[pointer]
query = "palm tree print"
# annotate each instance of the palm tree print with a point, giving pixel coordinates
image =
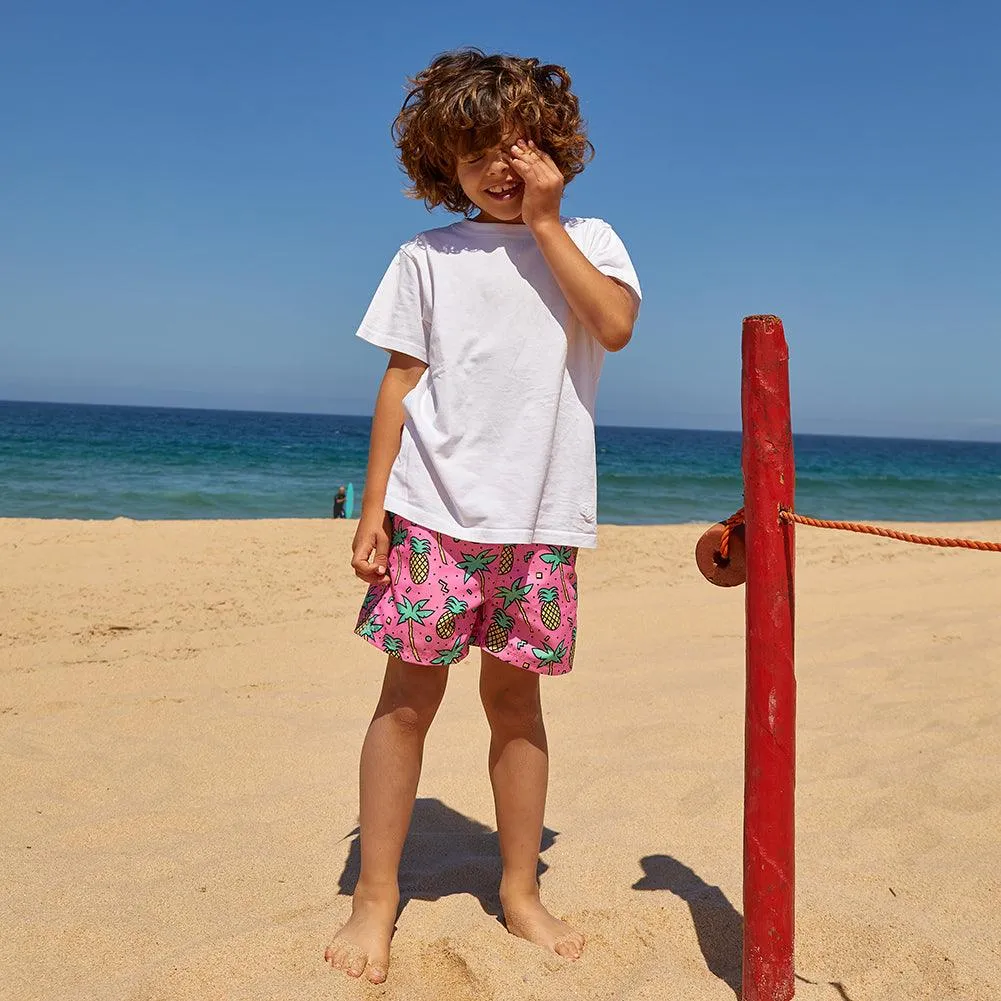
(478, 564)
(549, 657)
(369, 627)
(516, 595)
(441, 551)
(413, 613)
(399, 537)
(371, 597)
(558, 557)
(448, 657)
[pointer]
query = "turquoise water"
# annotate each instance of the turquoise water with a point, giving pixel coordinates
(75, 461)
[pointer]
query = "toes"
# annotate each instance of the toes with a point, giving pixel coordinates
(346, 957)
(356, 964)
(376, 973)
(570, 948)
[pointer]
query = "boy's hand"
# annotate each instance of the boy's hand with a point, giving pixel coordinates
(370, 549)
(543, 181)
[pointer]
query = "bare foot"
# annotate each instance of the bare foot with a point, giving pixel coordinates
(362, 945)
(528, 919)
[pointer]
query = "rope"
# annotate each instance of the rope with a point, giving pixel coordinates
(724, 540)
(889, 533)
(854, 526)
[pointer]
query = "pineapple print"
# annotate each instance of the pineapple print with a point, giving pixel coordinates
(549, 607)
(420, 566)
(445, 625)
(506, 560)
(499, 631)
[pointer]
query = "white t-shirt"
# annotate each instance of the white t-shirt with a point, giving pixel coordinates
(498, 439)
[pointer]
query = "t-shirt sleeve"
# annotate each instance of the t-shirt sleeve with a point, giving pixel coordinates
(608, 254)
(395, 319)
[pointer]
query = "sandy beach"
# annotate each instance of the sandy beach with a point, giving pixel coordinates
(182, 706)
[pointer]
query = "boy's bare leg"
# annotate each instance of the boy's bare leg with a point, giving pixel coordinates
(519, 774)
(390, 768)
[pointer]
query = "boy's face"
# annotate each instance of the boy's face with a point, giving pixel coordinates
(490, 182)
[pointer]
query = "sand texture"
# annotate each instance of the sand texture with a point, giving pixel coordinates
(182, 706)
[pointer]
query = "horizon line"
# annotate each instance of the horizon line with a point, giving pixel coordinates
(364, 416)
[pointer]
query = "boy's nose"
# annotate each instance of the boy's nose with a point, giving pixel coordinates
(501, 168)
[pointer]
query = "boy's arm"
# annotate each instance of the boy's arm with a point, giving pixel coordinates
(604, 306)
(372, 537)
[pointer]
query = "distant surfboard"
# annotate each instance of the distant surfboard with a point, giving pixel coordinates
(349, 502)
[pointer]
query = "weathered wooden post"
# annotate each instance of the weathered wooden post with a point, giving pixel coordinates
(770, 708)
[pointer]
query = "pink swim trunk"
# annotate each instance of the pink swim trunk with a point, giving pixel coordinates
(519, 602)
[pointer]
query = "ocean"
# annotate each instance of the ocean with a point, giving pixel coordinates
(83, 461)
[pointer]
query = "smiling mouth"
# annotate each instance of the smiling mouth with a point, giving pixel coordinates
(505, 192)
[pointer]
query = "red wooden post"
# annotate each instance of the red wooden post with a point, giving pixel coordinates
(770, 720)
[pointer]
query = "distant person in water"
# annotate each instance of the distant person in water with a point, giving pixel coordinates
(340, 499)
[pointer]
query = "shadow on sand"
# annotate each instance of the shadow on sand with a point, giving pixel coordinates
(445, 853)
(718, 925)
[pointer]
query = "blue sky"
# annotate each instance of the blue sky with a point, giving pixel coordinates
(198, 199)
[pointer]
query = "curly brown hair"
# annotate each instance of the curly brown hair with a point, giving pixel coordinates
(466, 102)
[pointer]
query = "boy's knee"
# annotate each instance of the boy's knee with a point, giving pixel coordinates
(512, 707)
(412, 719)
(411, 695)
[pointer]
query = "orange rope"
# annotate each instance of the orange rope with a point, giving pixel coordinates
(889, 533)
(735, 519)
